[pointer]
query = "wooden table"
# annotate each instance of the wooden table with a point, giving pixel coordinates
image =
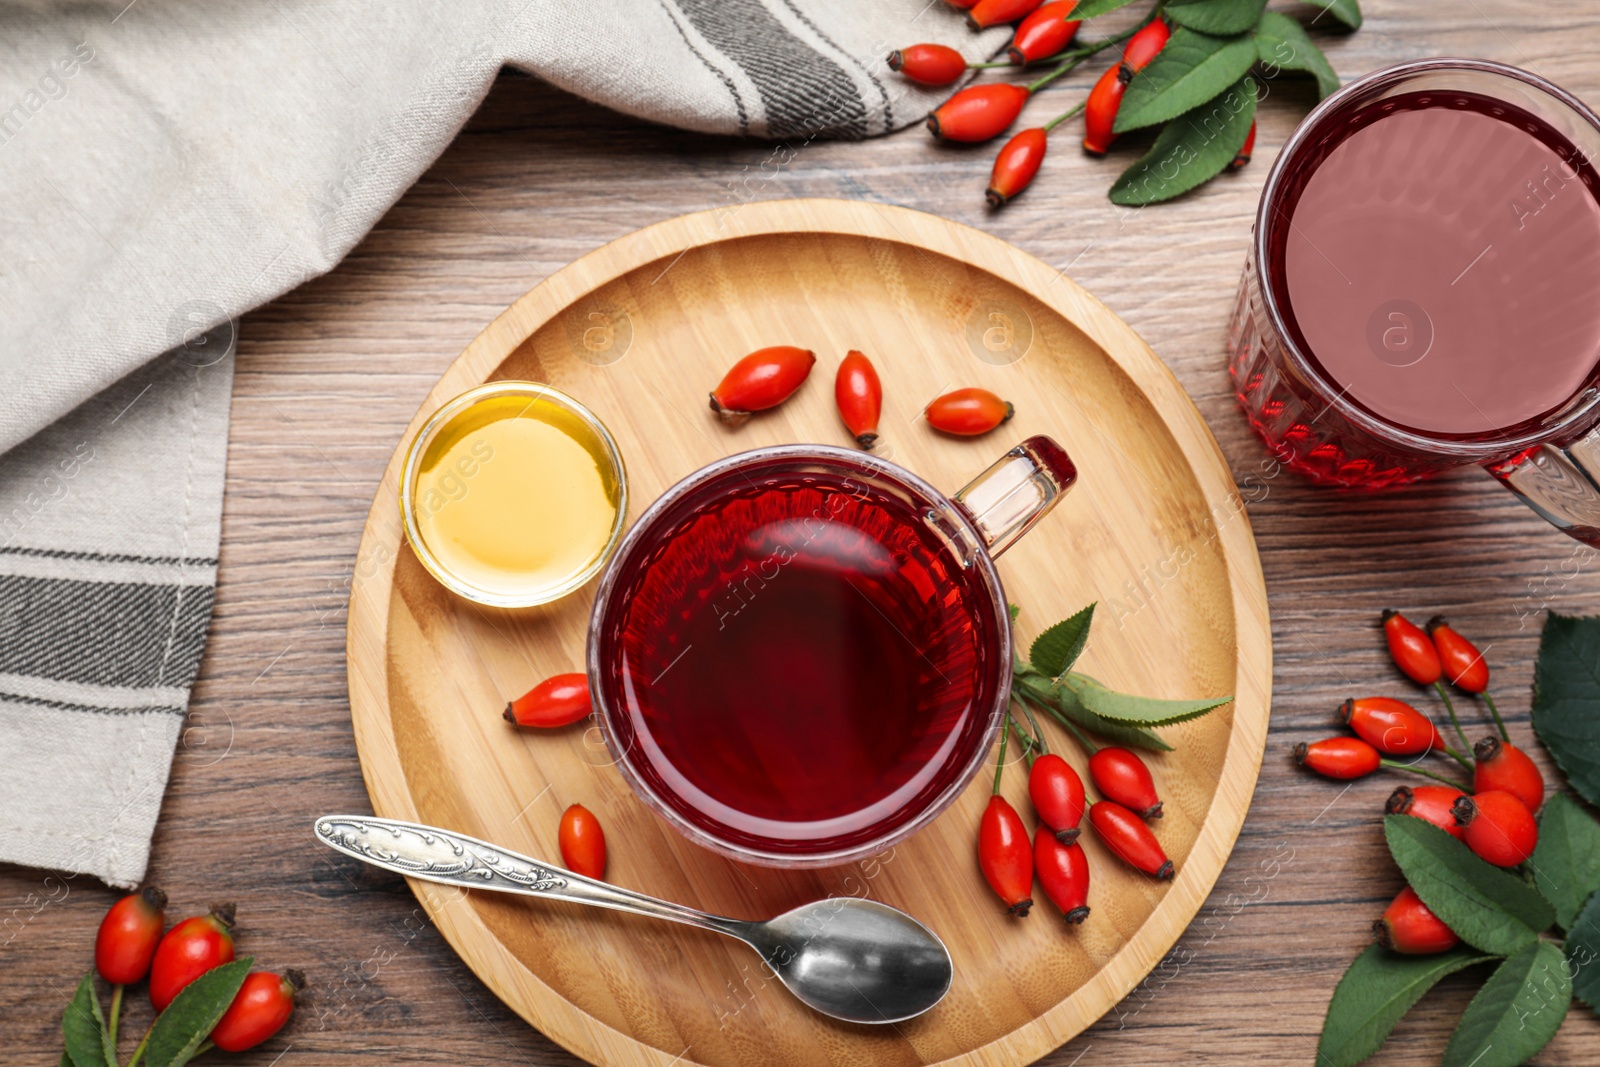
(329, 375)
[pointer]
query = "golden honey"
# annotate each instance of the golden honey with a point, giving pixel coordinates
(514, 494)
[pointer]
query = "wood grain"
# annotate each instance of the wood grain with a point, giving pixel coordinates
(636, 330)
(330, 376)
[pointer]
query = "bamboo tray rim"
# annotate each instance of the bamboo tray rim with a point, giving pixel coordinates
(372, 585)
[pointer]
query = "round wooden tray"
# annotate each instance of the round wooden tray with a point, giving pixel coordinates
(639, 331)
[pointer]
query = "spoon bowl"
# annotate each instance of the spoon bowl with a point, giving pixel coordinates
(852, 959)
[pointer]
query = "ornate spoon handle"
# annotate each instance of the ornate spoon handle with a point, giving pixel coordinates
(435, 855)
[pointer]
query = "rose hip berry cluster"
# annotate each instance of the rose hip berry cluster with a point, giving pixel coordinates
(1495, 820)
(1045, 34)
(131, 946)
(769, 376)
(1010, 863)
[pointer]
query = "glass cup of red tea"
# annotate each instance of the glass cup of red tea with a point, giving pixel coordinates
(1423, 288)
(801, 654)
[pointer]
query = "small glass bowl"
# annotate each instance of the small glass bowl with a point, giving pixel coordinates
(599, 443)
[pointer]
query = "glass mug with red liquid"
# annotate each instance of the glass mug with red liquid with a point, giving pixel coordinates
(801, 654)
(1423, 288)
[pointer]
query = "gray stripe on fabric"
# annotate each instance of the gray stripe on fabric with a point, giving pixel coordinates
(64, 705)
(804, 91)
(104, 557)
(877, 83)
(733, 90)
(102, 633)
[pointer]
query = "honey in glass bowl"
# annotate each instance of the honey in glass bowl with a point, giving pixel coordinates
(513, 494)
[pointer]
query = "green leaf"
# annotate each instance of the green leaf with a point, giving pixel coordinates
(1486, 907)
(1346, 11)
(1566, 863)
(1132, 710)
(1379, 988)
(1516, 1013)
(1282, 42)
(1088, 9)
(1566, 699)
(1191, 150)
(181, 1029)
(1014, 610)
(1058, 648)
(1583, 954)
(1192, 69)
(1061, 703)
(1223, 17)
(84, 1027)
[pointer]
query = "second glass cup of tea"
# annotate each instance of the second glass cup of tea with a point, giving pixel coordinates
(801, 654)
(1423, 288)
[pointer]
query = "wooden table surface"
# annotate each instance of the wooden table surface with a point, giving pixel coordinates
(329, 375)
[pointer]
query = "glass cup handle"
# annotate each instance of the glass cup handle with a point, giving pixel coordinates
(1017, 491)
(1560, 482)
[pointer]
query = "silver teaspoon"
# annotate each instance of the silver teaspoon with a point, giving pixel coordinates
(850, 958)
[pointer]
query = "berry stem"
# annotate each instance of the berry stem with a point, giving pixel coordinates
(1458, 757)
(116, 1012)
(1028, 744)
(1495, 712)
(1038, 734)
(1438, 687)
(138, 1053)
(1064, 116)
(1395, 765)
(999, 768)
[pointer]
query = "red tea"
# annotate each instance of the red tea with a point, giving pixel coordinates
(803, 661)
(1436, 256)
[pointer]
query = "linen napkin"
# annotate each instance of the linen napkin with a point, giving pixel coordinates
(167, 165)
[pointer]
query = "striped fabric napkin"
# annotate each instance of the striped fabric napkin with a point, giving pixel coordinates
(167, 165)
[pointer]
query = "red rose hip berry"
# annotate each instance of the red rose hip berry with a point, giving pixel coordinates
(1122, 776)
(129, 935)
(259, 1010)
(1004, 855)
(1391, 726)
(583, 842)
(1430, 803)
(1498, 827)
(560, 700)
(1057, 795)
(1063, 871)
(1338, 757)
(1503, 766)
(929, 64)
(859, 395)
(763, 379)
(1126, 835)
(1412, 650)
(189, 950)
(1409, 927)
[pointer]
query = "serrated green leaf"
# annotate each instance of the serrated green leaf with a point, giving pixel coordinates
(1060, 703)
(84, 1028)
(1014, 610)
(1192, 69)
(180, 1030)
(1088, 9)
(1376, 991)
(1130, 710)
(1191, 150)
(1058, 648)
(1346, 11)
(1486, 907)
(1282, 42)
(1516, 1013)
(1566, 699)
(1566, 863)
(1583, 954)
(1219, 17)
